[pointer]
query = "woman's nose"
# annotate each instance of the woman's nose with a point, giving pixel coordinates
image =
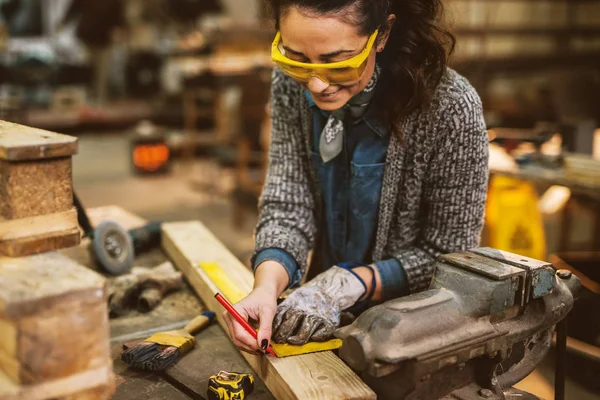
(316, 85)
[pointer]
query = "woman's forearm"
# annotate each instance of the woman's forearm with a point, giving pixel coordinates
(367, 276)
(272, 277)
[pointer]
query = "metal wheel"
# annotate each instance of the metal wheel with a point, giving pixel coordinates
(113, 247)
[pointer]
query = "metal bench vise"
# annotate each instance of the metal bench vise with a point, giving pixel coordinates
(485, 323)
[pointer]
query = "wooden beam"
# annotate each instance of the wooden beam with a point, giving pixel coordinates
(126, 219)
(33, 235)
(321, 376)
(90, 384)
(36, 191)
(19, 143)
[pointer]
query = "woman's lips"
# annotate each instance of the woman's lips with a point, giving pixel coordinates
(328, 96)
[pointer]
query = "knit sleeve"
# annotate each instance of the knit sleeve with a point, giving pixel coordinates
(286, 206)
(454, 194)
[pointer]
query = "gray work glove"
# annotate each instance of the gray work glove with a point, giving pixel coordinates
(313, 311)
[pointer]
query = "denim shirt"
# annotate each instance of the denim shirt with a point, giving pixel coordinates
(350, 194)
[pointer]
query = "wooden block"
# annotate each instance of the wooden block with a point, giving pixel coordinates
(308, 376)
(35, 182)
(126, 219)
(38, 187)
(19, 142)
(39, 234)
(54, 331)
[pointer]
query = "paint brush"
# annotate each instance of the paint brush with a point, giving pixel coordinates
(164, 348)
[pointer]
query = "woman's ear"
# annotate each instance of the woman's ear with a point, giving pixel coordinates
(384, 34)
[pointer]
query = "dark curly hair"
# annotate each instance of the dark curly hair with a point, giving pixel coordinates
(415, 57)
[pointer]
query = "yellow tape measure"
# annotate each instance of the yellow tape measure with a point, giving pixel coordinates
(230, 386)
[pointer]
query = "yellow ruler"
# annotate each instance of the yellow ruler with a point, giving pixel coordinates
(223, 282)
(234, 294)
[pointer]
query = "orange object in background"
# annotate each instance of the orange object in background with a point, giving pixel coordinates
(150, 157)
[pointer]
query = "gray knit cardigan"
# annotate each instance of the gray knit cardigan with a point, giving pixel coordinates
(434, 184)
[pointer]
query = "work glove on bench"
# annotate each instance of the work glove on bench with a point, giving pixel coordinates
(313, 311)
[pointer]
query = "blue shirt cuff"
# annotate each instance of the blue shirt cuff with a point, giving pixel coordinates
(393, 279)
(283, 258)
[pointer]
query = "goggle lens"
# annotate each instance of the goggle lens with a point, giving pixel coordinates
(330, 76)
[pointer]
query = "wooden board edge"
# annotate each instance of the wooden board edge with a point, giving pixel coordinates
(32, 153)
(38, 225)
(40, 244)
(115, 213)
(61, 146)
(59, 388)
(270, 370)
(94, 292)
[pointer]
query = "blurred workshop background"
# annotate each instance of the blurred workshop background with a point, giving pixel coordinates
(169, 100)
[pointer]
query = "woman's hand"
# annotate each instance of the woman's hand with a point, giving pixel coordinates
(260, 305)
(270, 280)
(313, 312)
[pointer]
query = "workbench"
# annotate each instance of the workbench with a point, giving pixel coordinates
(188, 378)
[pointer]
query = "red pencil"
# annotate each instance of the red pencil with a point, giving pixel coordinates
(241, 320)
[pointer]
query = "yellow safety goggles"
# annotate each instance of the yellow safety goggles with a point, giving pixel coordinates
(346, 71)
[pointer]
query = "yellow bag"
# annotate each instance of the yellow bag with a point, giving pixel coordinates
(514, 221)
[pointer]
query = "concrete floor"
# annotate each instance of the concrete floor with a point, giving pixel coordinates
(102, 176)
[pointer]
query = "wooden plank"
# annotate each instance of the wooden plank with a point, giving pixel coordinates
(34, 235)
(98, 381)
(115, 213)
(19, 142)
(308, 376)
(41, 243)
(39, 225)
(153, 387)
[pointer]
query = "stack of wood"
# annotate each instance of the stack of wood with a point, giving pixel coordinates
(54, 333)
(36, 192)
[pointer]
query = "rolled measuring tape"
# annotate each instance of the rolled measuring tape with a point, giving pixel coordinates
(230, 386)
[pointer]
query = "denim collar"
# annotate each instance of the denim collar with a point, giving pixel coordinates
(369, 118)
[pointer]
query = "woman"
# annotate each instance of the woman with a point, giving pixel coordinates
(378, 164)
